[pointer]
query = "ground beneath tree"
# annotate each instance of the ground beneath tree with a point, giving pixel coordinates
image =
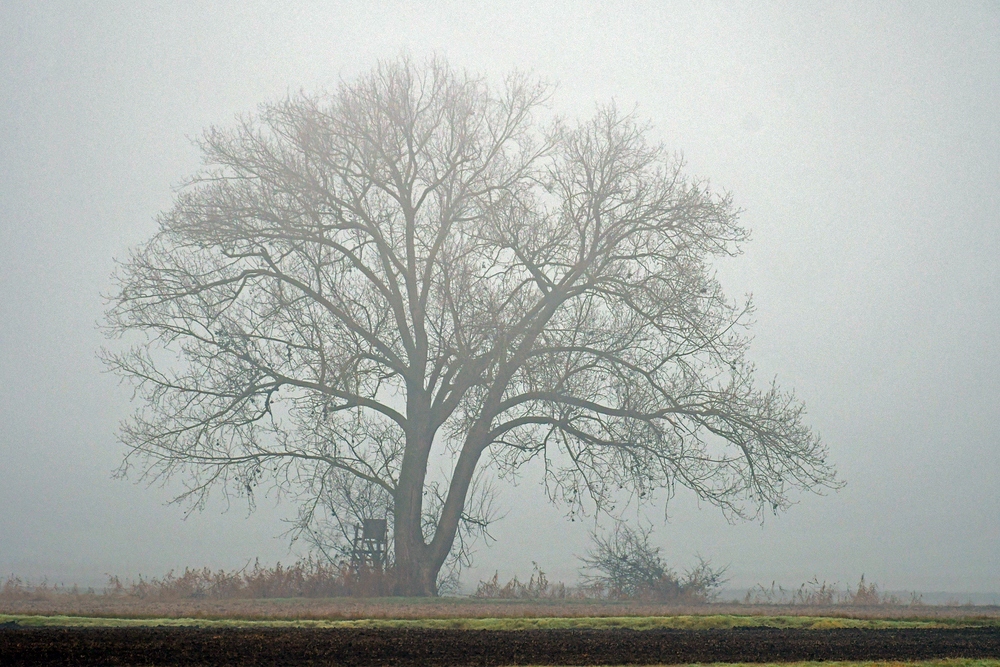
(342, 646)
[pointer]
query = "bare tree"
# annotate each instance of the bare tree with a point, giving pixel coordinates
(413, 269)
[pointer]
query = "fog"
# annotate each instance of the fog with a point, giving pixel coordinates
(861, 142)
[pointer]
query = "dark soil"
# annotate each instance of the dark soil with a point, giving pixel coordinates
(274, 646)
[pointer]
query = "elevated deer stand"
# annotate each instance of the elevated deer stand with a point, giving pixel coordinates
(369, 550)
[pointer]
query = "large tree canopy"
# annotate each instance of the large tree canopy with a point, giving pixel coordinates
(414, 270)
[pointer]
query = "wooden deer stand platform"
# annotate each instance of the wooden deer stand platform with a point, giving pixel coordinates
(370, 540)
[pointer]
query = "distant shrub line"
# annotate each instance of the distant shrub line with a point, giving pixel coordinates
(821, 594)
(309, 578)
(306, 578)
(694, 591)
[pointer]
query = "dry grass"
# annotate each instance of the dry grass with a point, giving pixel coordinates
(536, 588)
(681, 622)
(97, 605)
(304, 579)
(821, 594)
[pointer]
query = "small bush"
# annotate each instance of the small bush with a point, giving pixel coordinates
(625, 565)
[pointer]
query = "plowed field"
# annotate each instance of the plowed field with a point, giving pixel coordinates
(343, 646)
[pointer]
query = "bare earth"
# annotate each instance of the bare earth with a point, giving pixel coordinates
(190, 645)
(447, 648)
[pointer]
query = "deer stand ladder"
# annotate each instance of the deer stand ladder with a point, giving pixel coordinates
(369, 548)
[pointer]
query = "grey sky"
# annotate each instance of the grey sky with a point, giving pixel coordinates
(861, 140)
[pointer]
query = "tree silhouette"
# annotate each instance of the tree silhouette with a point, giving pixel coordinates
(415, 269)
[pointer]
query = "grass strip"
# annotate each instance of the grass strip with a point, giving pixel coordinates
(688, 622)
(943, 662)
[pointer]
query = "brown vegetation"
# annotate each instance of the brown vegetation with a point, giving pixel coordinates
(821, 594)
(306, 578)
(310, 590)
(536, 588)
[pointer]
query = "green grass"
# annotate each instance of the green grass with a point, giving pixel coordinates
(631, 622)
(946, 662)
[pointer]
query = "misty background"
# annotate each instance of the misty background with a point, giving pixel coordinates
(862, 142)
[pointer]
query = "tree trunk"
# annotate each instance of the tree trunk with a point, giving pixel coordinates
(414, 571)
(412, 563)
(415, 578)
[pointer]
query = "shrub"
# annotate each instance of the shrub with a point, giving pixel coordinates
(624, 565)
